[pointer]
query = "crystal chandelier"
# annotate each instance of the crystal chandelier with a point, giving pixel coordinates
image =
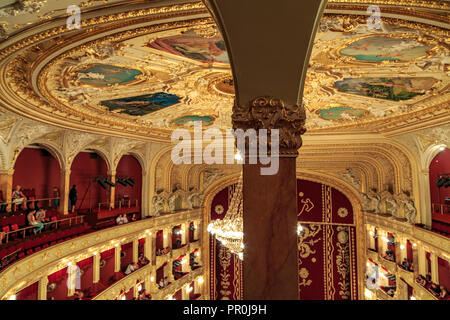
(229, 230)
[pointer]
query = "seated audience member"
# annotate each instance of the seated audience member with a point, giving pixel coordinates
(405, 263)
(391, 292)
(122, 219)
(134, 217)
(78, 295)
(161, 283)
(443, 293)
(40, 215)
(411, 267)
(131, 268)
(33, 222)
(18, 198)
(142, 259)
(434, 287)
(428, 277)
(421, 280)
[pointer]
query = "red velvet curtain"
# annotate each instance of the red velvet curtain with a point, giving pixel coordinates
(28, 293)
(159, 240)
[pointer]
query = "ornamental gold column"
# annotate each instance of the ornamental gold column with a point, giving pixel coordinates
(96, 272)
(42, 288)
(6, 180)
(112, 190)
(64, 188)
(270, 200)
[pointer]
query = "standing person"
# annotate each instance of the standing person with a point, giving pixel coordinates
(18, 198)
(73, 195)
(56, 197)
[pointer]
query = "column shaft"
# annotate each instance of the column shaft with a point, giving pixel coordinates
(434, 267)
(42, 288)
(6, 179)
(64, 189)
(270, 238)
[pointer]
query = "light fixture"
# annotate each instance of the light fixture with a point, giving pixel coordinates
(197, 254)
(188, 289)
(229, 230)
(139, 288)
(368, 265)
(95, 253)
(402, 247)
(165, 236)
(412, 298)
(414, 244)
(200, 280)
(123, 298)
(238, 156)
(152, 279)
(299, 229)
(442, 148)
(116, 245)
(371, 233)
(13, 297)
(385, 239)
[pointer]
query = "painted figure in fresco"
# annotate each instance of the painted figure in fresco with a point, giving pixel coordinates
(193, 46)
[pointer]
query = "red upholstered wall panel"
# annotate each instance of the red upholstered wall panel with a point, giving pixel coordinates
(107, 271)
(327, 247)
(439, 165)
(127, 255)
(28, 293)
(129, 167)
(33, 170)
(59, 278)
(83, 172)
(444, 273)
(86, 270)
(159, 239)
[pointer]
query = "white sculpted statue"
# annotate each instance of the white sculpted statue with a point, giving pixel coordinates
(193, 199)
(410, 210)
(172, 201)
(392, 206)
(157, 205)
(371, 201)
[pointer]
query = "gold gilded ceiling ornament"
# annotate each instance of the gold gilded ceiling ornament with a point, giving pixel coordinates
(342, 212)
(271, 113)
(206, 31)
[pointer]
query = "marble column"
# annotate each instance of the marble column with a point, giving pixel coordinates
(434, 267)
(42, 288)
(169, 266)
(270, 196)
(64, 188)
(185, 233)
(6, 179)
(185, 292)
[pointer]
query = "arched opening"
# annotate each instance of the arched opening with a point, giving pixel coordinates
(439, 173)
(86, 168)
(37, 171)
(128, 181)
(327, 246)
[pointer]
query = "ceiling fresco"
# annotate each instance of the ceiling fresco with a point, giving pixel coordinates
(171, 78)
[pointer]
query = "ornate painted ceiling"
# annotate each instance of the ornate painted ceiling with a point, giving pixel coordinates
(146, 71)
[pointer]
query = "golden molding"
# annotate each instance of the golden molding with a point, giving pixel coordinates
(30, 269)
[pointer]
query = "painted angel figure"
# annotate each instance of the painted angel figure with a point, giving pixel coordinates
(392, 206)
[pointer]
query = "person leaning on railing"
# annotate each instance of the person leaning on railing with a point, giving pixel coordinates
(33, 222)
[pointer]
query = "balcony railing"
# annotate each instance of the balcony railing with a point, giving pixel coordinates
(54, 258)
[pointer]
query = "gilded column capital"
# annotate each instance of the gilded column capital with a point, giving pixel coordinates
(272, 113)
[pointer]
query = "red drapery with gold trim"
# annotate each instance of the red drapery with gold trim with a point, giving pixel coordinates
(327, 247)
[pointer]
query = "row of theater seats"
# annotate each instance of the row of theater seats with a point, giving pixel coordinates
(22, 249)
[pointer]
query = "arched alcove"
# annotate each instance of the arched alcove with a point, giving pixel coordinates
(38, 172)
(86, 167)
(327, 246)
(129, 167)
(440, 165)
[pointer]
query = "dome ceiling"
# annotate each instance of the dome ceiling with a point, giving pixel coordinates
(166, 75)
